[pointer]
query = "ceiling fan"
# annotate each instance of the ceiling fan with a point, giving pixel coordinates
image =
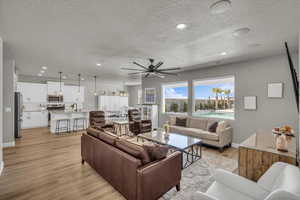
(152, 69)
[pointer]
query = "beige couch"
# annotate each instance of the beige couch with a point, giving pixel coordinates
(198, 127)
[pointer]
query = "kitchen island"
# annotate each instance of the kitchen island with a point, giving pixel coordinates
(68, 115)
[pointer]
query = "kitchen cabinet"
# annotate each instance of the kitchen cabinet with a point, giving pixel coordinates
(33, 92)
(34, 119)
(53, 88)
(112, 103)
(71, 94)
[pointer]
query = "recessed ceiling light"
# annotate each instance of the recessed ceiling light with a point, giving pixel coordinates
(44, 67)
(241, 32)
(220, 7)
(181, 26)
(82, 79)
(98, 64)
(39, 74)
(224, 53)
(64, 77)
(42, 71)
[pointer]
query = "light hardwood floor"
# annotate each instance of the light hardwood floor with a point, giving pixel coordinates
(42, 166)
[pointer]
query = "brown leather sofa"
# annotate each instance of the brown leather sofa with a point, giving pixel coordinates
(134, 178)
(97, 120)
(136, 124)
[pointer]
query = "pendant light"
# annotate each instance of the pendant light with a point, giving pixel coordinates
(95, 79)
(60, 89)
(79, 79)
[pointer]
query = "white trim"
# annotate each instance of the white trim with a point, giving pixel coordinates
(1, 167)
(9, 144)
(235, 145)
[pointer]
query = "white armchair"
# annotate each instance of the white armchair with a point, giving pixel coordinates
(280, 182)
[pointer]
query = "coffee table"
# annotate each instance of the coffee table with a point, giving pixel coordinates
(190, 147)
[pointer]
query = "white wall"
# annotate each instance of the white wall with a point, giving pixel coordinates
(133, 95)
(8, 102)
(1, 105)
(251, 78)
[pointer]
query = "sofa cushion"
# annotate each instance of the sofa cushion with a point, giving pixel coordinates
(134, 150)
(93, 132)
(105, 136)
(156, 151)
(202, 134)
(213, 127)
(198, 123)
(172, 120)
(222, 125)
(181, 121)
(194, 132)
(288, 180)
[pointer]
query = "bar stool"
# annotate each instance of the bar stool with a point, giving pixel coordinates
(82, 123)
(60, 128)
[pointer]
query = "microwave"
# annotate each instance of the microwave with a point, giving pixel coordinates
(55, 98)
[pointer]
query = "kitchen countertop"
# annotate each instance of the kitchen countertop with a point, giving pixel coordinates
(67, 112)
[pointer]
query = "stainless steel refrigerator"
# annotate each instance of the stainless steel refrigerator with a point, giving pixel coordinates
(18, 113)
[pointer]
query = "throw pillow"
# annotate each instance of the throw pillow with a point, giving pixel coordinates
(181, 121)
(213, 127)
(156, 152)
(134, 150)
(222, 125)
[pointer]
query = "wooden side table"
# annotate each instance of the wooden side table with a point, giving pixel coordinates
(258, 153)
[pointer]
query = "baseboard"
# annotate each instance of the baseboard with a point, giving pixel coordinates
(235, 145)
(1, 167)
(8, 144)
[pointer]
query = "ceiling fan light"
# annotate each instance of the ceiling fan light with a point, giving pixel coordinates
(220, 7)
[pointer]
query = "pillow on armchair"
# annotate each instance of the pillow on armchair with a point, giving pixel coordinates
(213, 127)
(222, 125)
(180, 121)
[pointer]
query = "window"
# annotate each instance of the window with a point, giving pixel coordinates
(214, 98)
(175, 98)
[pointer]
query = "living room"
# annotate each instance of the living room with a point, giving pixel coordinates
(146, 100)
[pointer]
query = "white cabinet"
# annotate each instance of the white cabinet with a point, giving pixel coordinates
(112, 103)
(34, 119)
(72, 95)
(33, 92)
(54, 88)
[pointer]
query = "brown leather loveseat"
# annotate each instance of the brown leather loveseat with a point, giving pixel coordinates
(127, 169)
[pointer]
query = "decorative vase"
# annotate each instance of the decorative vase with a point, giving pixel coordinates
(281, 143)
(167, 128)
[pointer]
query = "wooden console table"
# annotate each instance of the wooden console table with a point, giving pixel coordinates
(258, 153)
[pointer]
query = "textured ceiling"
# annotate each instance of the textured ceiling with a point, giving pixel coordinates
(74, 35)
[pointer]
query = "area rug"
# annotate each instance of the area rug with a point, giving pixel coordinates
(199, 175)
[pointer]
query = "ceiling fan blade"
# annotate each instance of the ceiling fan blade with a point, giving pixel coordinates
(158, 65)
(140, 65)
(169, 69)
(134, 73)
(166, 73)
(131, 69)
(158, 75)
(147, 75)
